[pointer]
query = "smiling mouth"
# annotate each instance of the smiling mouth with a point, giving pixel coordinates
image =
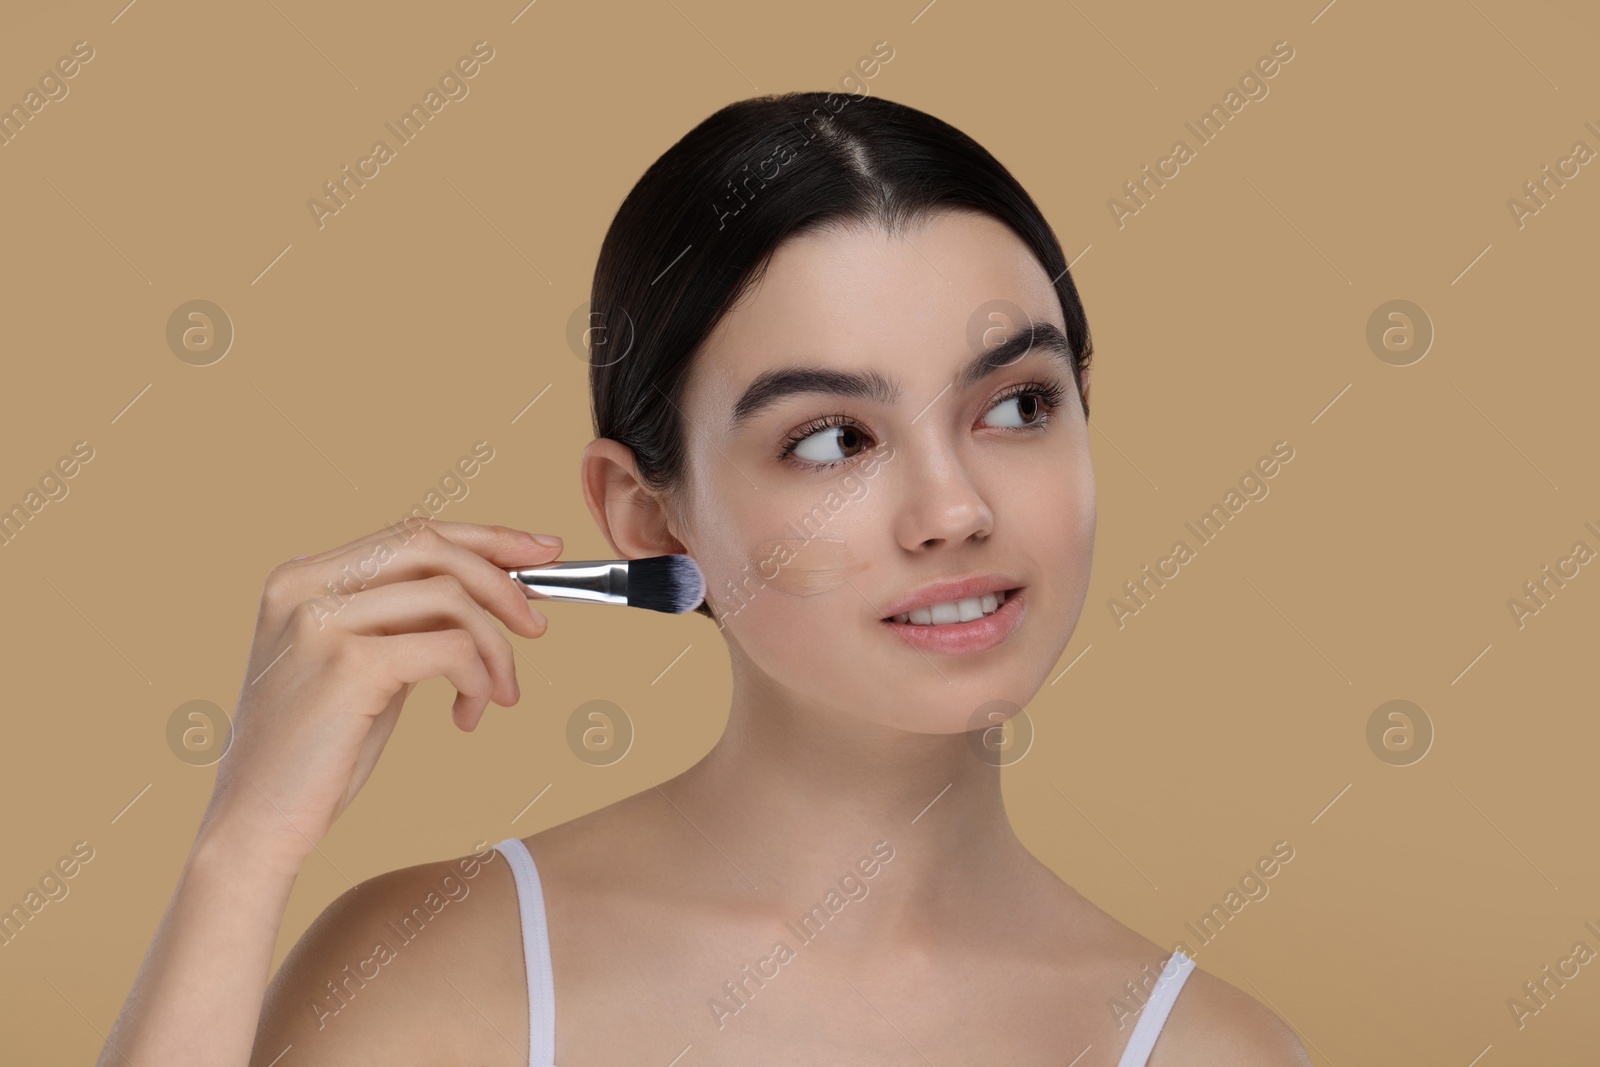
(967, 609)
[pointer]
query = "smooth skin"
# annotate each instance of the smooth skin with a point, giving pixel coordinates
(966, 949)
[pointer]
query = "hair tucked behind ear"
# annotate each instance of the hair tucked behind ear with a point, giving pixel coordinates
(701, 224)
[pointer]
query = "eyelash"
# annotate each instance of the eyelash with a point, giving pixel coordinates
(1051, 393)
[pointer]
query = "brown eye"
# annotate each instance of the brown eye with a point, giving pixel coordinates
(1027, 407)
(821, 446)
(1019, 410)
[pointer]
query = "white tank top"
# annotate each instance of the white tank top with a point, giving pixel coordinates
(542, 992)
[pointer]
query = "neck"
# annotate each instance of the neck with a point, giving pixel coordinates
(795, 797)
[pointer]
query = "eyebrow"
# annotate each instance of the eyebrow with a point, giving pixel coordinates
(771, 386)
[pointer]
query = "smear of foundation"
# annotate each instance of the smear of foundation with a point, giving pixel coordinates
(802, 566)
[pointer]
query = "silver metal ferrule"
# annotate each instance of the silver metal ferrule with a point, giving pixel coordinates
(602, 581)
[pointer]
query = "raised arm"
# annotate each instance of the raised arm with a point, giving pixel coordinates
(341, 638)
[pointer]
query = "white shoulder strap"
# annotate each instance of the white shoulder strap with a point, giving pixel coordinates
(1154, 1014)
(535, 952)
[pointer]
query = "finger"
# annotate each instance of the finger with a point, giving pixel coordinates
(451, 654)
(500, 545)
(479, 555)
(395, 532)
(517, 548)
(435, 603)
(469, 551)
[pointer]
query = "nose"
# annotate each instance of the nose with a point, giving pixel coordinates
(945, 506)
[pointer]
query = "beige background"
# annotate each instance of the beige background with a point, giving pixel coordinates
(1230, 313)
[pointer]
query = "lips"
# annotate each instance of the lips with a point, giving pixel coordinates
(963, 638)
(952, 591)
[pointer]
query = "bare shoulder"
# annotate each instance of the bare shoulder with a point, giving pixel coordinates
(419, 965)
(1216, 1024)
(1211, 1024)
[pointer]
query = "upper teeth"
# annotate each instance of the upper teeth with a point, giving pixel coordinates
(963, 610)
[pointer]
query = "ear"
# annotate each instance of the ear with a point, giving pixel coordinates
(633, 518)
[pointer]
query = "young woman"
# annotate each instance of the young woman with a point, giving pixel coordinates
(845, 368)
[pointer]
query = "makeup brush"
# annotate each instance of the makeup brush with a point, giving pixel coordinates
(672, 584)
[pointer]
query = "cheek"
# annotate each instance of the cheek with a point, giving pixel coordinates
(793, 637)
(792, 553)
(790, 573)
(1060, 520)
(795, 540)
(1071, 500)
(807, 567)
(787, 570)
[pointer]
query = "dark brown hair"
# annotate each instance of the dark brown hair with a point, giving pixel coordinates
(700, 225)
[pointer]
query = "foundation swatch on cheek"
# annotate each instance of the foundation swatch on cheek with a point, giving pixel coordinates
(803, 566)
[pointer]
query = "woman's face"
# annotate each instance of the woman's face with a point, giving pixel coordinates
(940, 471)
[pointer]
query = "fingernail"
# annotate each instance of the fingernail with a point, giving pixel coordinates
(547, 540)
